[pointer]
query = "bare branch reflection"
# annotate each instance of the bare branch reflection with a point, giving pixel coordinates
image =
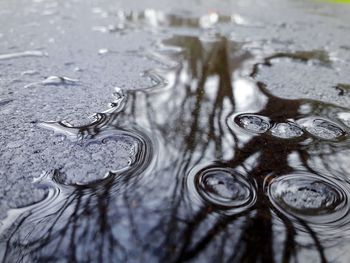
(150, 214)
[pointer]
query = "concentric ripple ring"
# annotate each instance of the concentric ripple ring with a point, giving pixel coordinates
(311, 198)
(222, 187)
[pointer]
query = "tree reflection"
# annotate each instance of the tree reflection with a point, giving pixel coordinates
(149, 214)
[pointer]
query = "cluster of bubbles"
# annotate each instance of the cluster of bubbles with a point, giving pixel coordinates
(303, 197)
(316, 127)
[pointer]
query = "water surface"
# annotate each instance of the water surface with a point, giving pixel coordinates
(220, 169)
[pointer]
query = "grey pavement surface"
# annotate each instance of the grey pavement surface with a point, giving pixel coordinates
(92, 42)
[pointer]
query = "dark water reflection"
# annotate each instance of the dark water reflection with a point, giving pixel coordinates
(223, 171)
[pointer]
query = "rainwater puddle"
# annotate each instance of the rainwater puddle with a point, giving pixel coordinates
(212, 168)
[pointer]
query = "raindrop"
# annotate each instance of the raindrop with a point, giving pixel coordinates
(30, 53)
(29, 73)
(103, 51)
(56, 80)
(253, 123)
(286, 130)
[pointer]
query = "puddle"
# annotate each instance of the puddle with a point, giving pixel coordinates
(218, 163)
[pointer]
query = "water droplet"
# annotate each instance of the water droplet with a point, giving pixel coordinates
(286, 130)
(209, 20)
(103, 51)
(101, 29)
(30, 53)
(29, 73)
(223, 187)
(322, 128)
(56, 80)
(118, 102)
(253, 123)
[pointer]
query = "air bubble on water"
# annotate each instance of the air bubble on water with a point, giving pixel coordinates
(323, 129)
(253, 123)
(314, 195)
(286, 130)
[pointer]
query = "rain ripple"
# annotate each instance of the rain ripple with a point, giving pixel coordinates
(311, 199)
(222, 187)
